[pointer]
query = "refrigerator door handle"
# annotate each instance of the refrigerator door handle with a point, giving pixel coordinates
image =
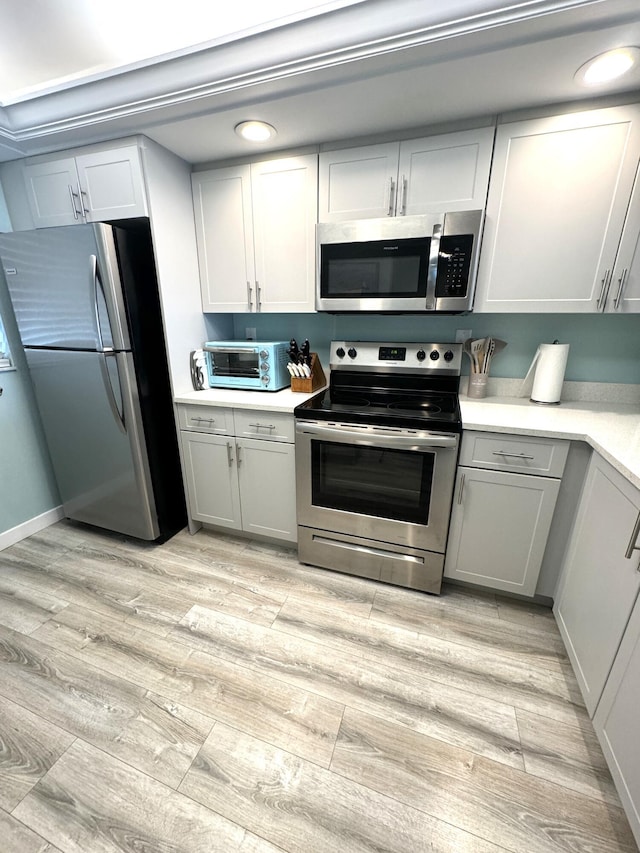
(109, 278)
(95, 283)
(118, 415)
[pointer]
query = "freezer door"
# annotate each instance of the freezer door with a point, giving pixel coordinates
(88, 403)
(54, 277)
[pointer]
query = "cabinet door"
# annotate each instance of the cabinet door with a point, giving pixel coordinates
(499, 528)
(111, 184)
(358, 183)
(616, 721)
(212, 479)
(224, 232)
(447, 172)
(599, 583)
(285, 204)
(266, 470)
(624, 293)
(556, 207)
(52, 190)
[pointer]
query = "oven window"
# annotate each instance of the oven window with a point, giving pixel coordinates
(244, 364)
(375, 269)
(393, 484)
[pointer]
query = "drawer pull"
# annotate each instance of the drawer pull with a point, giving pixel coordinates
(206, 420)
(512, 455)
(263, 426)
(633, 542)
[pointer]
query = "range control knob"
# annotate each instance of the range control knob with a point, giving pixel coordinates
(340, 352)
(352, 352)
(434, 355)
(421, 355)
(448, 356)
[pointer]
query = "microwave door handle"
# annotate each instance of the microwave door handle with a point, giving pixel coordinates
(432, 270)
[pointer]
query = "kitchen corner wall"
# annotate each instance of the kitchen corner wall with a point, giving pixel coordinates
(603, 348)
(27, 484)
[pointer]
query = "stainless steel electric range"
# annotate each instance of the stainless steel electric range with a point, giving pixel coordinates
(376, 457)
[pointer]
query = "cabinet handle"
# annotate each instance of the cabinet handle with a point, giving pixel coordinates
(403, 202)
(73, 196)
(206, 420)
(621, 283)
(249, 303)
(258, 296)
(461, 489)
(633, 542)
(239, 454)
(392, 196)
(263, 426)
(604, 290)
(85, 208)
(229, 453)
(512, 455)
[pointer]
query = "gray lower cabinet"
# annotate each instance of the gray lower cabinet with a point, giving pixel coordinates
(236, 481)
(505, 496)
(600, 579)
(616, 721)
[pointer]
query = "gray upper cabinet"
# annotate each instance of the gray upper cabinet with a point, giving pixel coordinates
(559, 193)
(445, 172)
(91, 187)
(600, 579)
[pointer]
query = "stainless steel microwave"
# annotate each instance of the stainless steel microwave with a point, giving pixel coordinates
(399, 264)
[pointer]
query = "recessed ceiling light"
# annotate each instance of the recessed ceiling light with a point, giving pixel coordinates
(607, 66)
(255, 131)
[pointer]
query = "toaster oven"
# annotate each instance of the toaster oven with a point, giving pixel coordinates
(248, 365)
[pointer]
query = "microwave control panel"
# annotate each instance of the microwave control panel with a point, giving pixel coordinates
(454, 263)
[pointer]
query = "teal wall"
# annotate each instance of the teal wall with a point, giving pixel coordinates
(27, 485)
(602, 348)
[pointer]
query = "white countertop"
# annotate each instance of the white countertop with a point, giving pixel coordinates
(613, 429)
(269, 401)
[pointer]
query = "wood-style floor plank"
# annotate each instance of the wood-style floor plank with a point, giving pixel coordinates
(147, 730)
(301, 807)
(279, 713)
(93, 803)
(486, 726)
(475, 794)
(29, 745)
(485, 673)
(24, 608)
(17, 838)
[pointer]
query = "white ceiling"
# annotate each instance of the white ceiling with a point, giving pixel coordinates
(318, 72)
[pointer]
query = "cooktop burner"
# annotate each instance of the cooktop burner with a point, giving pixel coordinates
(409, 390)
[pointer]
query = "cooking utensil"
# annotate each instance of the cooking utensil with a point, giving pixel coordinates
(477, 354)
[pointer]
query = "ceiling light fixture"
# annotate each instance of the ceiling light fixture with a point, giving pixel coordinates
(255, 131)
(608, 66)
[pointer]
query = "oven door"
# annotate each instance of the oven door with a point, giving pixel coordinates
(383, 484)
(233, 367)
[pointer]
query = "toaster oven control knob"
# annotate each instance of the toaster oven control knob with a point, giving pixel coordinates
(265, 379)
(421, 355)
(352, 352)
(448, 356)
(340, 352)
(434, 355)
(264, 354)
(264, 366)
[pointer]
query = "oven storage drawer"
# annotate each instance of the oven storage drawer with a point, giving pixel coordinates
(395, 564)
(545, 457)
(270, 426)
(211, 419)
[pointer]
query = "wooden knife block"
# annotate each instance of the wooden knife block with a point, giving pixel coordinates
(313, 382)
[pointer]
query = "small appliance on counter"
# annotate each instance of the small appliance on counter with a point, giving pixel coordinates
(247, 365)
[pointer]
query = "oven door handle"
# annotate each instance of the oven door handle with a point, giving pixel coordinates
(370, 438)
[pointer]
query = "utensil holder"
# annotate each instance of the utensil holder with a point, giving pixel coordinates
(477, 385)
(313, 382)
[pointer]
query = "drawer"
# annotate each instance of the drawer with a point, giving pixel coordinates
(543, 456)
(272, 426)
(212, 419)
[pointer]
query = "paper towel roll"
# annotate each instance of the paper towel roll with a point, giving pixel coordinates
(550, 362)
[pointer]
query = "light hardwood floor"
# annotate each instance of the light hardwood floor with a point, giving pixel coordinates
(212, 694)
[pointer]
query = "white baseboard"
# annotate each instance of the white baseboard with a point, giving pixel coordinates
(27, 528)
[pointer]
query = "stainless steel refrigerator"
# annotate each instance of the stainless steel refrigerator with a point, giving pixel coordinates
(86, 303)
